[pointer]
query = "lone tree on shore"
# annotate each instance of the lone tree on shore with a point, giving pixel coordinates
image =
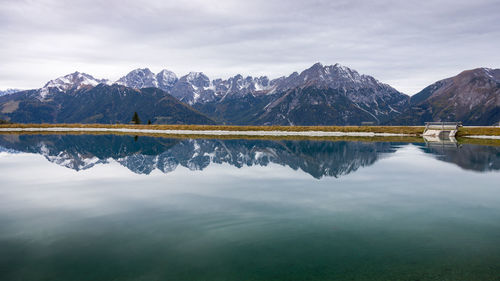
(135, 119)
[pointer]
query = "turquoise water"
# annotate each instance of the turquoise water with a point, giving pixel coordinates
(125, 208)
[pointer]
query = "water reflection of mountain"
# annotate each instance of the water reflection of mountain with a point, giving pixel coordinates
(145, 154)
(468, 156)
(142, 155)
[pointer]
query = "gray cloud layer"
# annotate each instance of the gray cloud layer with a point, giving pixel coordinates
(408, 44)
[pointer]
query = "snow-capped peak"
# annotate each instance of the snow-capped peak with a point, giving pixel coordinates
(139, 78)
(336, 74)
(166, 76)
(144, 78)
(197, 80)
(166, 79)
(75, 80)
(192, 76)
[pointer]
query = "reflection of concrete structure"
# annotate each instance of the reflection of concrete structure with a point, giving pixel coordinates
(439, 142)
(441, 134)
(441, 130)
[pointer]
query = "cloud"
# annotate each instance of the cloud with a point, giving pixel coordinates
(408, 44)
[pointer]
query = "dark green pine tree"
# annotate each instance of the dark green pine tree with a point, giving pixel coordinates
(149, 122)
(135, 119)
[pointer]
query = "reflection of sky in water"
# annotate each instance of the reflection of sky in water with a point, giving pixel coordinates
(406, 214)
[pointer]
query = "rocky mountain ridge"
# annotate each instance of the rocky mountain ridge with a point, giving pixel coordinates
(196, 87)
(319, 95)
(473, 96)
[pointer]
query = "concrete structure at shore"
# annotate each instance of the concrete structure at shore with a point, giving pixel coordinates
(442, 130)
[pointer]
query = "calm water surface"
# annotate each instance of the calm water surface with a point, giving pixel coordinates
(124, 208)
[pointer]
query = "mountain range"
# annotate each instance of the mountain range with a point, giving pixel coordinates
(79, 98)
(319, 95)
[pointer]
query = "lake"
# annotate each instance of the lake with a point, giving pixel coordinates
(111, 207)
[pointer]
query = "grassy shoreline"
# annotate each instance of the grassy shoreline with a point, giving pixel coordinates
(408, 130)
(363, 129)
(478, 131)
(414, 133)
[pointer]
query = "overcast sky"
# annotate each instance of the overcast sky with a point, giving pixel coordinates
(407, 44)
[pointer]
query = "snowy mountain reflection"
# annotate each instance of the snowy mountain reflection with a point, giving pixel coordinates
(143, 155)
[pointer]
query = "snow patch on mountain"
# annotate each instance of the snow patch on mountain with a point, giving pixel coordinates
(9, 91)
